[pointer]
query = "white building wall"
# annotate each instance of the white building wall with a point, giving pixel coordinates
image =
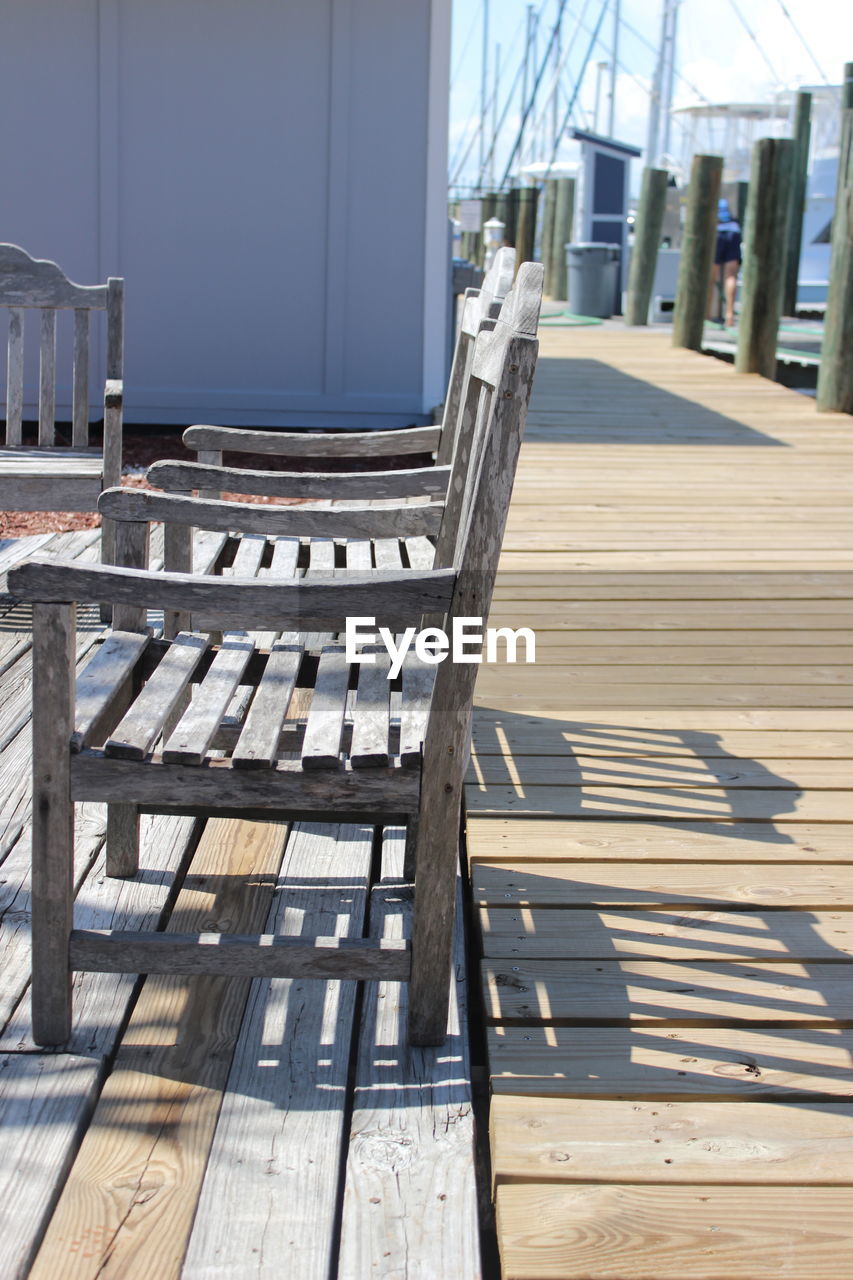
(269, 176)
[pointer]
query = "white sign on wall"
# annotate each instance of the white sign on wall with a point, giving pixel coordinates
(471, 214)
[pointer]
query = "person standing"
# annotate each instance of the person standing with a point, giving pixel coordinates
(727, 260)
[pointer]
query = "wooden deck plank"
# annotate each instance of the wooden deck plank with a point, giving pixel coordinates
(595, 1232)
(271, 1185)
(646, 992)
(575, 770)
(696, 803)
(675, 934)
(530, 840)
(131, 1194)
(410, 1199)
(569, 1140)
(793, 1063)
(645, 884)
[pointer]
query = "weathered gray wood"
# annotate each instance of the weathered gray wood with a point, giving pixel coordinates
(53, 820)
(697, 252)
(418, 679)
(314, 444)
(59, 482)
(271, 1188)
(181, 476)
(102, 683)
(190, 740)
(392, 597)
(799, 177)
(267, 955)
(321, 745)
(248, 558)
(177, 558)
(47, 379)
(131, 553)
(410, 1188)
(644, 255)
(421, 553)
(15, 383)
(767, 216)
(341, 522)
(80, 395)
(257, 746)
(371, 725)
(122, 840)
(36, 282)
(834, 379)
(446, 743)
(285, 557)
(359, 554)
(387, 554)
(137, 731)
(383, 794)
(44, 1103)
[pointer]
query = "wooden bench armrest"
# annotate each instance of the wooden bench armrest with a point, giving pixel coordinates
(382, 443)
(393, 599)
(178, 477)
(247, 517)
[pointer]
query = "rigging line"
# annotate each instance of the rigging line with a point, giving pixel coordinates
(460, 59)
(563, 61)
(754, 38)
(802, 41)
(497, 130)
(577, 87)
(529, 106)
(643, 40)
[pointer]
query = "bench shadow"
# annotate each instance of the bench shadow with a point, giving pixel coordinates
(590, 400)
(625, 986)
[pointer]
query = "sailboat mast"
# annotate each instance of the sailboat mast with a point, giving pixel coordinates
(484, 93)
(614, 67)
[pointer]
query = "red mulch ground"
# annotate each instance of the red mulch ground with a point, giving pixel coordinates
(143, 446)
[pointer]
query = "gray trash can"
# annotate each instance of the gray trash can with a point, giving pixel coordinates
(593, 275)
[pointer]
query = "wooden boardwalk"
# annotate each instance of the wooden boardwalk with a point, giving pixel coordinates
(659, 829)
(218, 1129)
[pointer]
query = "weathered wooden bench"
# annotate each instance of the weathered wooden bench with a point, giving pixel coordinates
(118, 742)
(63, 471)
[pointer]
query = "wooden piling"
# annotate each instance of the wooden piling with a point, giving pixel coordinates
(644, 255)
(564, 213)
(549, 209)
(802, 136)
(835, 375)
(525, 232)
(697, 252)
(767, 217)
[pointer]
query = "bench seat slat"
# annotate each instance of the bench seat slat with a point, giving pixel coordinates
(190, 740)
(258, 743)
(135, 735)
(321, 745)
(101, 683)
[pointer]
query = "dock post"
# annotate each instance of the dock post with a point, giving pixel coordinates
(697, 252)
(644, 254)
(764, 255)
(564, 214)
(802, 136)
(525, 232)
(550, 208)
(835, 375)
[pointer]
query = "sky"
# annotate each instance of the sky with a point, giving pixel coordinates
(796, 43)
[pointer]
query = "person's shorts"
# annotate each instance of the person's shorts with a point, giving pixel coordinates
(728, 247)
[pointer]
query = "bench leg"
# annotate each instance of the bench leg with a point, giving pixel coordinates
(122, 840)
(432, 931)
(53, 820)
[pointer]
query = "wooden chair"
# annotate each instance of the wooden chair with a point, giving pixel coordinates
(60, 473)
(117, 743)
(479, 307)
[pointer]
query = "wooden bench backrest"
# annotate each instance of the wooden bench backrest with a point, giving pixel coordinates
(35, 284)
(503, 365)
(479, 307)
